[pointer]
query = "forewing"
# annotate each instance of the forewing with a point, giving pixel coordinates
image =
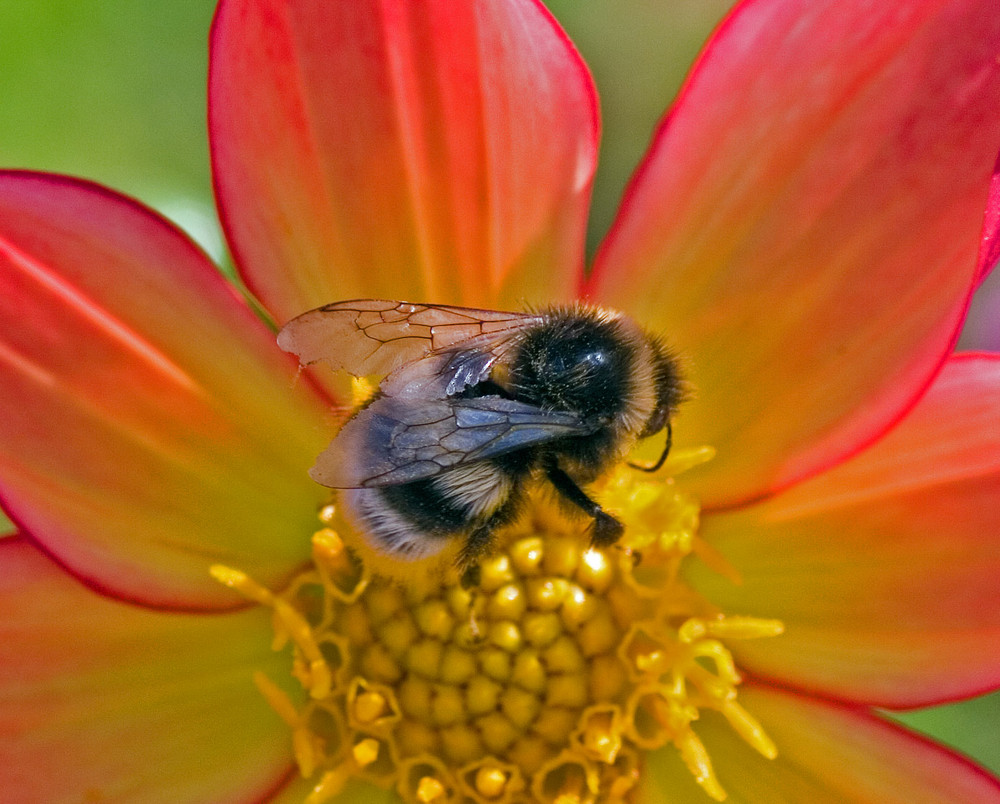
(395, 441)
(376, 336)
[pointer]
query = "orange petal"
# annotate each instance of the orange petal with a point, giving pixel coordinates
(827, 754)
(884, 569)
(151, 425)
(438, 152)
(806, 224)
(102, 701)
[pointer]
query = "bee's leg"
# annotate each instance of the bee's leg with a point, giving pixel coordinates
(607, 530)
(471, 577)
(477, 543)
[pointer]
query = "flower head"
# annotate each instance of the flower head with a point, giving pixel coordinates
(805, 230)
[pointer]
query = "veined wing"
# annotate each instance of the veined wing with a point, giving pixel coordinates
(394, 441)
(377, 336)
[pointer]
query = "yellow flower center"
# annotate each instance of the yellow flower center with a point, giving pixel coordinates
(545, 683)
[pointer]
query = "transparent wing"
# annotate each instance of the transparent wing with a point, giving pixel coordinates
(376, 336)
(419, 426)
(395, 441)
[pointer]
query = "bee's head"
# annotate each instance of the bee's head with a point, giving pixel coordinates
(669, 393)
(669, 390)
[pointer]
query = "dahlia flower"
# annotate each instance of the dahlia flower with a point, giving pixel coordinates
(186, 617)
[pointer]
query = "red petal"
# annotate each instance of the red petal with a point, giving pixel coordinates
(884, 569)
(102, 701)
(151, 426)
(827, 754)
(438, 151)
(989, 249)
(806, 224)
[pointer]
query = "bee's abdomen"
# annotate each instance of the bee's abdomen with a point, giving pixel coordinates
(417, 519)
(386, 528)
(423, 505)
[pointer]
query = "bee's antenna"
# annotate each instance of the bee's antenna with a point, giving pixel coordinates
(663, 455)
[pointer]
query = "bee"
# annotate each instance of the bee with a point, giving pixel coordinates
(473, 404)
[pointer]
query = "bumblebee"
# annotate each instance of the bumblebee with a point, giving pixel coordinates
(473, 404)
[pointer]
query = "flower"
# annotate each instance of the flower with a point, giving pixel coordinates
(805, 227)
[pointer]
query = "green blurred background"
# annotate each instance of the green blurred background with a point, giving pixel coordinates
(114, 90)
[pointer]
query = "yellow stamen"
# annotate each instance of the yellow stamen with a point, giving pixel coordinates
(430, 790)
(242, 583)
(730, 628)
(331, 784)
(317, 675)
(425, 780)
(546, 682)
(747, 726)
(490, 782)
(277, 698)
(366, 752)
(681, 460)
(369, 707)
(696, 758)
(600, 736)
(568, 779)
(304, 750)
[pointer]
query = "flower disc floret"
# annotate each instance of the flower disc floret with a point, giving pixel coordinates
(545, 682)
